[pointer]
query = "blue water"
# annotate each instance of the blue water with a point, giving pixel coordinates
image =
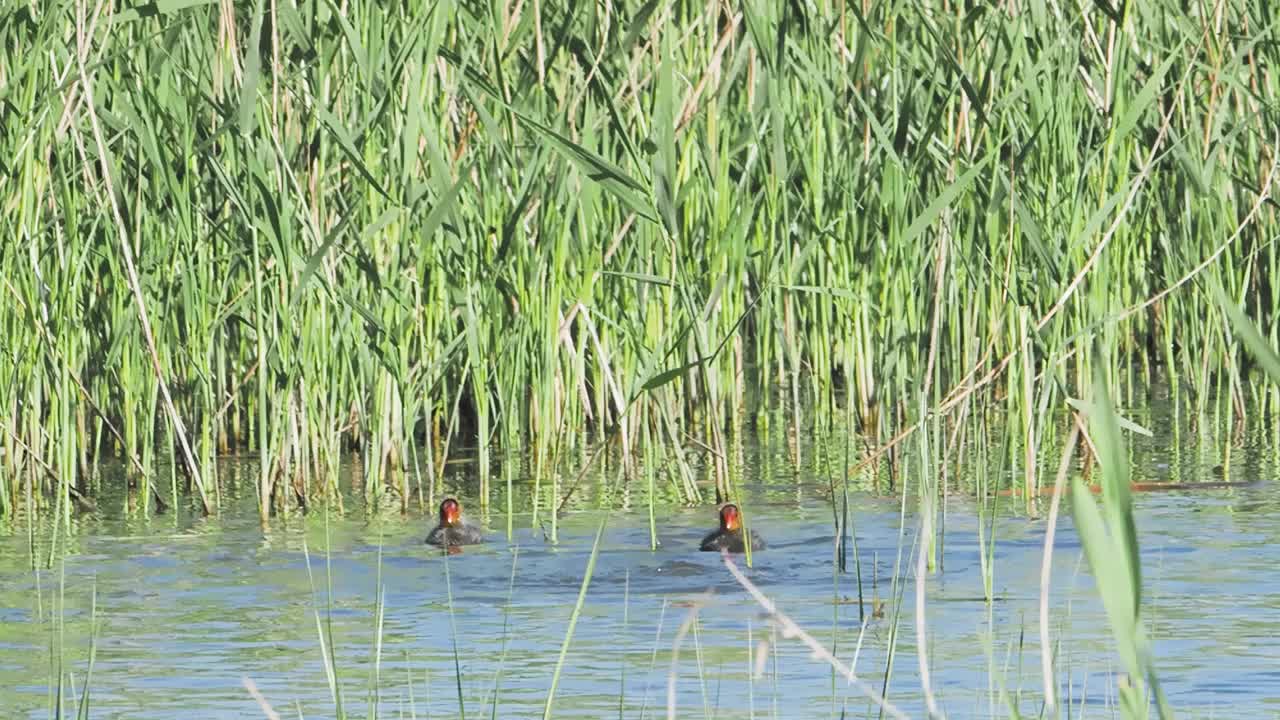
(187, 609)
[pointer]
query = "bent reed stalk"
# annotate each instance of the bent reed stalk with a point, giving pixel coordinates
(294, 229)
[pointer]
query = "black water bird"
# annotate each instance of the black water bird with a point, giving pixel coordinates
(453, 530)
(731, 534)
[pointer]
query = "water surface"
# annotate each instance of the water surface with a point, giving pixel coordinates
(186, 608)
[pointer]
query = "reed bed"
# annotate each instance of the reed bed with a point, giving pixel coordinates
(295, 229)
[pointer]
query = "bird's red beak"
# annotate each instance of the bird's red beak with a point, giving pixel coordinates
(729, 518)
(450, 511)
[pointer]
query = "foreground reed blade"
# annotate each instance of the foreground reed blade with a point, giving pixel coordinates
(573, 619)
(791, 629)
(1110, 539)
(1051, 527)
(263, 704)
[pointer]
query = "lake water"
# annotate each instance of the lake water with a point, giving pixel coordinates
(188, 608)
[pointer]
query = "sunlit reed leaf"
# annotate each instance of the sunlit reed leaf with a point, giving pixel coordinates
(1248, 333)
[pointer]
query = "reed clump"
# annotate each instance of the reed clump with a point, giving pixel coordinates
(389, 226)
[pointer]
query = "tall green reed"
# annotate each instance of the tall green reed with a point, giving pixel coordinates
(300, 229)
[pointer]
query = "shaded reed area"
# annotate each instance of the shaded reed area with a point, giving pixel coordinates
(295, 228)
